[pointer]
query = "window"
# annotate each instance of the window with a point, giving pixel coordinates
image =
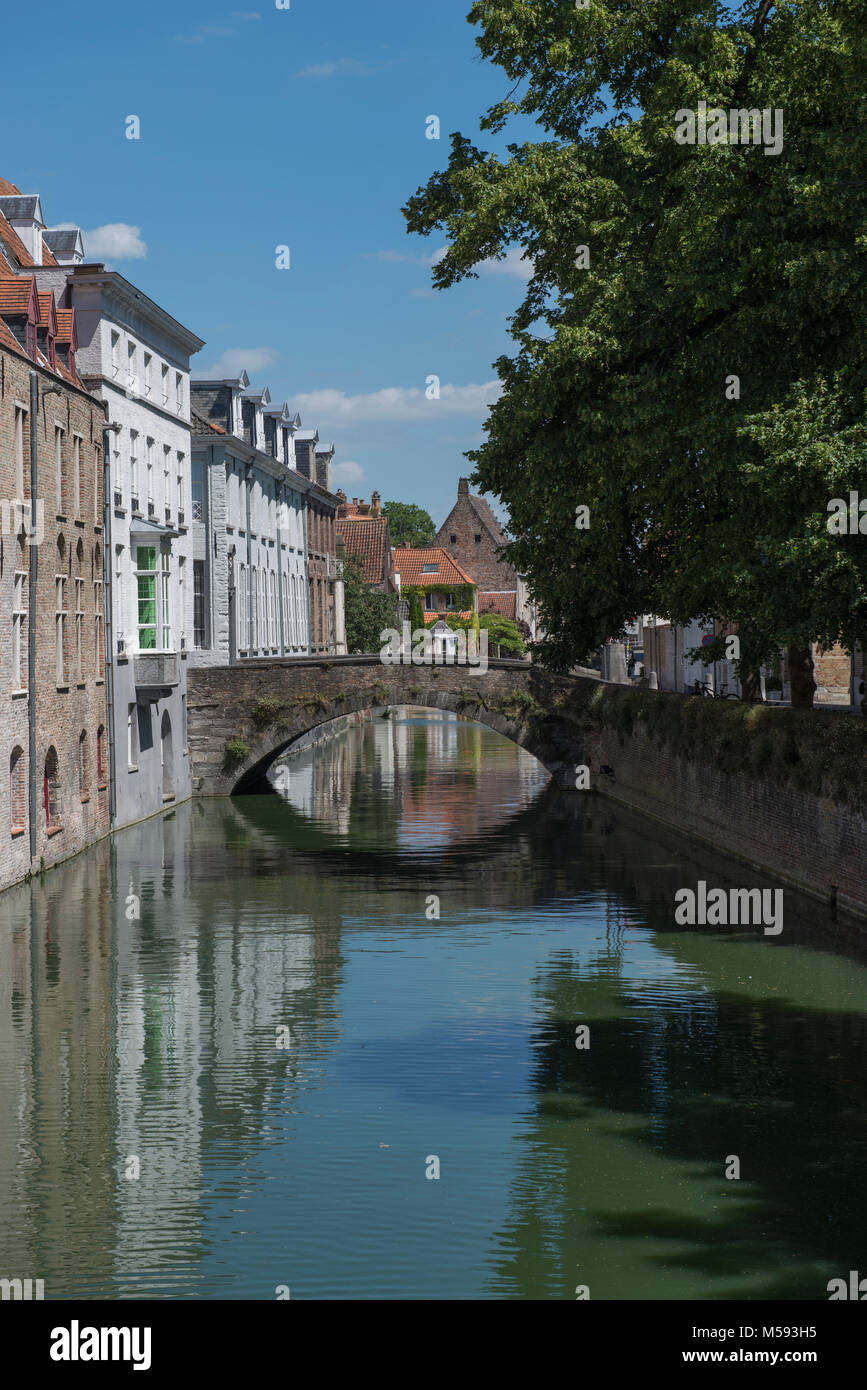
(132, 735)
(273, 597)
(430, 569)
(146, 585)
(97, 474)
(451, 605)
(179, 392)
(164, 372)
(58, 467)
(131, 368)
(147, 373)
(60, 618)
(17, 792)
(115, 353)
(167, 471)
(76, 475)
(19, 452)
(83, 774)
(429, 603)
(254, 604)
(79, 630)
(51, 792)
(31, 339)
(453, 540)
(149, 472)
(133, 468)
(198, 481)
(477, 538)
(180, 498)
(165, 605)
(242, 608)
(100, 756)
(98, 647)
(182, 595)
(19, 636)
(198, 603)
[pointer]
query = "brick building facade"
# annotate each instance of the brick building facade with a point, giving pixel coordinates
(54, 796)
(472, 536)
(324, 572)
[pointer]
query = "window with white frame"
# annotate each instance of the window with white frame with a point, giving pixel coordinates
(131, 366)
(60, 628)
(115, 353)
(19, 631)
(76, 475)
(58, 467)
(133, 469)
(149, 471)
(179, 392)
(164, 373)
(20, 412)
(148, 363)
(79, 629)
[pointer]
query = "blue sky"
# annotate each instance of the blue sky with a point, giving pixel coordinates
(259, 128)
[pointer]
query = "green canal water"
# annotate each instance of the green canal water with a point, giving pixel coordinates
(233, 1041)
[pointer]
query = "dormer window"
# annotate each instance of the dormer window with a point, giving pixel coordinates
(429, 569)
(52, 352)
(30, 345)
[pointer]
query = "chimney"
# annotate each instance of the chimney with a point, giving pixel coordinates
(463, 487)
(374, 505)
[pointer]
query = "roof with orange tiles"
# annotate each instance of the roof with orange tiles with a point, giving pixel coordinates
(503, 604)
(47, 310)
(435, 617)
(410, 564)
(65, 325)
(17, 294)
(368, 540)
(8, 190)
(203, 426)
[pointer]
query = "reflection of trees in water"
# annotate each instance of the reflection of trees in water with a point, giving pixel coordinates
(621, 1172)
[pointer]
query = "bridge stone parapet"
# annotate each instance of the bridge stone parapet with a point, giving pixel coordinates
(240, 718)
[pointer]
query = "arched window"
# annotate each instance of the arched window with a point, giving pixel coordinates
(100, 756)
(17, 792)
(60, 613)
(51, 791)
(166, 756)
(83, 772)
(79, 613)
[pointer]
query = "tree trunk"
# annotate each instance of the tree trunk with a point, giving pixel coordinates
(751, 686)
(801, 681)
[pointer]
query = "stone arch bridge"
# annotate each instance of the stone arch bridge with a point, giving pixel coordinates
(240, 718)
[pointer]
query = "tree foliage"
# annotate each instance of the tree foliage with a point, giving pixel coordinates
(409, 525)
(706, 262)
(368, 612)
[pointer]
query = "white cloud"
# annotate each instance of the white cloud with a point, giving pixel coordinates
(333, 407)
(245, 14)
(513, 264)
(347, 473)
(340, 67)
(235, 360)
(395, 257)
(206, 31)
(116, 241)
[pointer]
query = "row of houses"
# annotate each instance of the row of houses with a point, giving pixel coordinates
(150, 523)
(464, 566)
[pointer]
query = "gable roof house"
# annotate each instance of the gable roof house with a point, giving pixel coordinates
(367, 536)
(473, 537)
(441, 580)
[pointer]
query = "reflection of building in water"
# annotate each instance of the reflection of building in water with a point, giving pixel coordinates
(420, 762)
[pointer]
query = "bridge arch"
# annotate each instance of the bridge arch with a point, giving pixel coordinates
(242, 717)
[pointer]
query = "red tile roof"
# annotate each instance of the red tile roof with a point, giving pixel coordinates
(368, 539)
(8, 190)
(15, 294)
(409, 564)
(435, 617)
(504, 604)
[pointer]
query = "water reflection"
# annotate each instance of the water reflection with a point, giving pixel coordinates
(158, 1140)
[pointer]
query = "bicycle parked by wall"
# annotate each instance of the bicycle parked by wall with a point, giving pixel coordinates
(701, 688)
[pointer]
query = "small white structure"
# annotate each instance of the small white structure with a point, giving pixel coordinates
(443, 641)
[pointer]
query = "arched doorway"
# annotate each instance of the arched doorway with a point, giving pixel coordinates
(166, 757)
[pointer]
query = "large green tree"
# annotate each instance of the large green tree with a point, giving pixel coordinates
(689, 305)
(409, 525)
(368, 612)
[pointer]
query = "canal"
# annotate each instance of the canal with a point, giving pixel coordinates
(324, 1041)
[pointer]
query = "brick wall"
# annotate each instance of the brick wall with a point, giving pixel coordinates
(71, 545)
(478, 558)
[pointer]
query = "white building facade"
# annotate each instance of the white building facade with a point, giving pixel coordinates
(249, 511)
(136, 357)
